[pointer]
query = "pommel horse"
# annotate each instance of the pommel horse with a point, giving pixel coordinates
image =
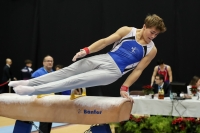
(59, 108)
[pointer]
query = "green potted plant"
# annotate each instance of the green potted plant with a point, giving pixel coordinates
(159, 124)
(135, 124)
(197, 126)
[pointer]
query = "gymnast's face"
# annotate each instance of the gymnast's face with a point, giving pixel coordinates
(48, 62)
(150, 33)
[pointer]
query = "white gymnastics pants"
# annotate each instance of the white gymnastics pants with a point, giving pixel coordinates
(92, 71)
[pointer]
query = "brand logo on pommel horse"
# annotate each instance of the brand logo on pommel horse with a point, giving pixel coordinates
(92, 111)
(85, 111)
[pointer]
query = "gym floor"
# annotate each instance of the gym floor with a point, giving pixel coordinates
(7, 126)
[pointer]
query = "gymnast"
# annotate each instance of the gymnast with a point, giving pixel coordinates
(133, 50)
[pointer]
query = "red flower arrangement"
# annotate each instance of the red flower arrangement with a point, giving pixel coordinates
(147, 89)
(193, 89)
(184, 124)
(160, 124)
(135, 119)
(138, 119)
(179, 124)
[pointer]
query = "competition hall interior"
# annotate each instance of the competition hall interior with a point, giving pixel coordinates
(39, 37)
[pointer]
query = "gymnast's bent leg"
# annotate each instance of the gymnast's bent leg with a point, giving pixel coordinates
(78, 67)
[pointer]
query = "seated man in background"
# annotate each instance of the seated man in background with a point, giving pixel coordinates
(160, 84)
(163, 69)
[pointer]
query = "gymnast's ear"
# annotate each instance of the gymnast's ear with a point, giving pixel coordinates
(144, 26)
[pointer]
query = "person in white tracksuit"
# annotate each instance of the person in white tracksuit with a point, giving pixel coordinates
(133, 50)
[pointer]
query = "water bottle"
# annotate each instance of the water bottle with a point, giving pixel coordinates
(171, 95)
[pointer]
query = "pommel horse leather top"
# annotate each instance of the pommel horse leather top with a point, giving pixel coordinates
(59, 108)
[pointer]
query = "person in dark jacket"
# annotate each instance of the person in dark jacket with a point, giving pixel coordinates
(26, 72)
(7, 76)
(160, 84)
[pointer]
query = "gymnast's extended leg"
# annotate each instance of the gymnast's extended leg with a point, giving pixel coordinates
(78, 67)
(91, 78)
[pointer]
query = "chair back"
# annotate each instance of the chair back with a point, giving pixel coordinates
(137, 92)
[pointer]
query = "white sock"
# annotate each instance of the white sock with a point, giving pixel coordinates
(24, 90)
(16, 83)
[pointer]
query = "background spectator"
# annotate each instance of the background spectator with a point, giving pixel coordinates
(45, 127)
(160, 84)
(58, 67)
(7, 75)
(163, 69)
(27, 70)
(195, 81)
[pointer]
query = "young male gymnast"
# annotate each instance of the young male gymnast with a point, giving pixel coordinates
(133, 50)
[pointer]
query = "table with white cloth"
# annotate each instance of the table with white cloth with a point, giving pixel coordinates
(166, 107)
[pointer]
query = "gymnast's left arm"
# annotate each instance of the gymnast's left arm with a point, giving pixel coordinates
(102, 43)
(137, 72)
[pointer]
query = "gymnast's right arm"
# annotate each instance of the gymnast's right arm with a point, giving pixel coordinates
(102, 43)
(137, 72)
